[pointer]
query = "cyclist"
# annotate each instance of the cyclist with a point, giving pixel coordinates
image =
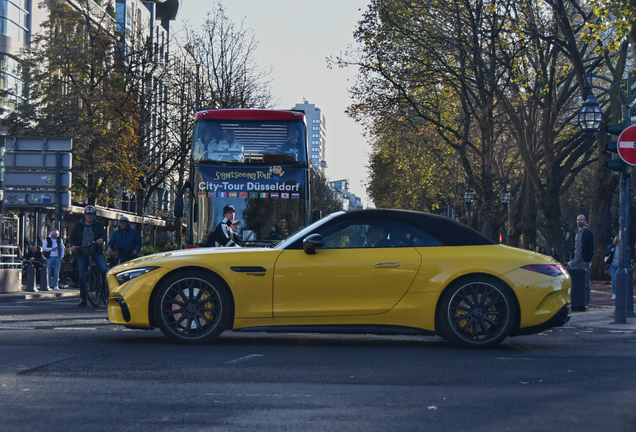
(127, 239)
(85, 233)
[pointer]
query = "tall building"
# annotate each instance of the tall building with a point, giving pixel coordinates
(316, 134)
(19, 20)
(349, 200)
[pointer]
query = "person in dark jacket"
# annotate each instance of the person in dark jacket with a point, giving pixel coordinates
(88, 232)
(127, 241)
(612, 260)
(583, 253)
(223, 236)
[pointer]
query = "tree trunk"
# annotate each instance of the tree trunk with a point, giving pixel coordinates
(529, 218)
(599, 221)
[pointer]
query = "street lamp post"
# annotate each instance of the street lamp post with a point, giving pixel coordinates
(469, 197)
(590, 118)
(504, 199)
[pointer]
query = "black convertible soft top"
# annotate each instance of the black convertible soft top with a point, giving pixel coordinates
(446, 230)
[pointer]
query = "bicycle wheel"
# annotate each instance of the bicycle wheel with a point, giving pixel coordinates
(92, 288)
(104, 290)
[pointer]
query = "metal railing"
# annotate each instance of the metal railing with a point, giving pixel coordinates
(9, 258)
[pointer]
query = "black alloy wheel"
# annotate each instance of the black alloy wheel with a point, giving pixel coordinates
(92, 288)
(192, 308)
(477, 313)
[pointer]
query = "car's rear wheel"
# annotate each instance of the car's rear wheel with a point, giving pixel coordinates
(192, 308)
(477, 312)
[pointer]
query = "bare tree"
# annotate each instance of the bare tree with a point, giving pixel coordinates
(225, 56)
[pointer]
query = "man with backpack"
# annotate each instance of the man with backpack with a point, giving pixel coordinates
(53, 251)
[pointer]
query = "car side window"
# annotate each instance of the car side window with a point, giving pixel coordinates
(344, 235)
(422, 239)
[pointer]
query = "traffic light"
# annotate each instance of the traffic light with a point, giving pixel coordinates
(616, 163)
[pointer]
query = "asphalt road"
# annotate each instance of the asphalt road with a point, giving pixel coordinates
(64, 368)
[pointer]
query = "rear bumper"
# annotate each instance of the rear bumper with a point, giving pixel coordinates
(557, 320)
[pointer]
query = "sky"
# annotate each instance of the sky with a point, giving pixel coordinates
(295, 37)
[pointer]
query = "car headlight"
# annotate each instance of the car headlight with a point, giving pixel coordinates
(127, 275)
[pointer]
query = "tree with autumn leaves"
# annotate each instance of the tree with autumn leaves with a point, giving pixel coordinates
(485, 94)
(77, 90)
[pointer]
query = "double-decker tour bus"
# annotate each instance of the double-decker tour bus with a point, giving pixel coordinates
(255, 160)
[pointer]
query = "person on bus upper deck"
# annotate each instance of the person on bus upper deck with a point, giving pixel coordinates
(223, 236)
(204, 146)
(231, 144)
(291, 145)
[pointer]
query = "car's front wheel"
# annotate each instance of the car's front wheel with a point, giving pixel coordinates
(192, 308)
(477, 312)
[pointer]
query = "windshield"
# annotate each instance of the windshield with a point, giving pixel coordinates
(253, 142)
(309, 230)
(270, 201)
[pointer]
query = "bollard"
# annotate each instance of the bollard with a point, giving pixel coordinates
(44, 279)
(30, 278)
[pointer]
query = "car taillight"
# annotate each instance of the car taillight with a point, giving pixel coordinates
(546, 269)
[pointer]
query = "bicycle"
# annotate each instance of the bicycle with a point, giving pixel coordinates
(96, 289)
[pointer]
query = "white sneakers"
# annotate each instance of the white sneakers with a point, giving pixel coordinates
(613, 296)
(56, 289)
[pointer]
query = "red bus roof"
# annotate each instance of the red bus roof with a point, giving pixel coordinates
(249, 114)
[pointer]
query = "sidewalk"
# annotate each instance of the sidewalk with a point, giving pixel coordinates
(23, 295)
(600, 313)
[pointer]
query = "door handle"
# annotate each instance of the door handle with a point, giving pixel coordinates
(387, 265)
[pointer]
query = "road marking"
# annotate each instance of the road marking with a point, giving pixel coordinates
(513, 358)
(74, 328)
(16, 328)
(243, 359)
(255, 395)
(13, 306)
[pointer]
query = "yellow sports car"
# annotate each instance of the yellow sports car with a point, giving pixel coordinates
(362, 271)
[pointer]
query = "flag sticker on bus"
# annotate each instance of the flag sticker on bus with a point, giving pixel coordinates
(295, 196)
(253, 194)
(263, 194)
(284, 195)
(242, 194)
(273, 195)
(233, 195)
(222, 194)
(211, 194)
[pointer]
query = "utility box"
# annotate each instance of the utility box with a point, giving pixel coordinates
(577, 294)
(10, 280)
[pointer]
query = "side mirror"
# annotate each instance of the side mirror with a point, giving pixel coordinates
(311, 243)
(178, 206)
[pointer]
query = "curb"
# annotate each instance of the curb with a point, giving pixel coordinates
(23, 295)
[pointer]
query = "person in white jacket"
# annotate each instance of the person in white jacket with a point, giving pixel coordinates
(53, 249)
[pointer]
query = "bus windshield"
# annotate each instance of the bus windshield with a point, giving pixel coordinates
(251, 142)
(256, 162)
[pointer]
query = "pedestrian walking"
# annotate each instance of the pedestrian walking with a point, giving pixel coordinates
(612, 257)
(583, 253)
(53, 251)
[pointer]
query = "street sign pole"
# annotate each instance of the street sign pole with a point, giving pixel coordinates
(58, 190)
(627, 152)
